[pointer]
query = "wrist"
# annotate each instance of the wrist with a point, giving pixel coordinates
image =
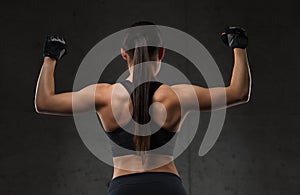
(49, 60)
(239, 50)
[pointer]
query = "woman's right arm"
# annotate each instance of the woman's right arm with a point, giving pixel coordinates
(238, 92)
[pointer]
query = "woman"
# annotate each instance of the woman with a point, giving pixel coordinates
(134, 169)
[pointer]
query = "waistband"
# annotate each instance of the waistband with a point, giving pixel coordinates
(145, 177)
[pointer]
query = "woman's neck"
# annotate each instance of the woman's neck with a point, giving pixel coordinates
(130, 78)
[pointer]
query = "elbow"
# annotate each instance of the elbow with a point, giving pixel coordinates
(39, 110)
(244, 98)
(241, 96)
(40, 106)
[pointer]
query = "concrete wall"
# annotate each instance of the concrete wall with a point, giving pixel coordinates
(258, 149)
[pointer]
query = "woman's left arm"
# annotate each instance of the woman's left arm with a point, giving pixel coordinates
(47, 102)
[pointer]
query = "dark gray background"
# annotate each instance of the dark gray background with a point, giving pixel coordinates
(258, 149)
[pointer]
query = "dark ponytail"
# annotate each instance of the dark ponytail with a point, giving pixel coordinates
(141, 72)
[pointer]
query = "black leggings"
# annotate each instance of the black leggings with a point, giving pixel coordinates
(147, 183)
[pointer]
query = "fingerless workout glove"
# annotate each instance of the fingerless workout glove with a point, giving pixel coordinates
(55, 47)
(235, 37)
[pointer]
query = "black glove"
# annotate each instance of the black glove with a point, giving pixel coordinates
(235, 37)
(55, 47)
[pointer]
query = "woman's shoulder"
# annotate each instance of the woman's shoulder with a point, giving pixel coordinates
(164, 92)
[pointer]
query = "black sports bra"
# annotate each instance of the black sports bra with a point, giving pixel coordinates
(122, 141)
